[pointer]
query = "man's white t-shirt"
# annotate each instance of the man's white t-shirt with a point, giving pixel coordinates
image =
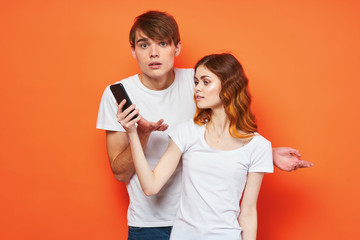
(213, 183)
(175, 105)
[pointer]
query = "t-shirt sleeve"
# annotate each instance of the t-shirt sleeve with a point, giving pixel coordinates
(107, 113)
(181, 135)
(261, 158)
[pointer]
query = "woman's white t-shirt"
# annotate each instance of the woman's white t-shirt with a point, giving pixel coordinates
(213, 182)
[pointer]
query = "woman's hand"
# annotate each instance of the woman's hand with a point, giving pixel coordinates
(124, 117)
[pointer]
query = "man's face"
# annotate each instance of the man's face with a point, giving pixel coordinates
(155, 58)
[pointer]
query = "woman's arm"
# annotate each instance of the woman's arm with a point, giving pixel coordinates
(151, 181)
(248, 213)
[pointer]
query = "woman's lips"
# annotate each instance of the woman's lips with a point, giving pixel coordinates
(198, 98)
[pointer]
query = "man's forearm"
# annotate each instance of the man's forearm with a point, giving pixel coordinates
(123, 166)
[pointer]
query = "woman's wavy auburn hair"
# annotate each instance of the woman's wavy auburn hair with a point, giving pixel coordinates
(234, 94)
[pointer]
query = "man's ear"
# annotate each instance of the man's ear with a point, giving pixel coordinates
(177, 49)
(133, 52)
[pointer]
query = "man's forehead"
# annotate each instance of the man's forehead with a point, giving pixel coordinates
(140, 36)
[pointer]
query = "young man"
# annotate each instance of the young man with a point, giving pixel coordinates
(161, 92)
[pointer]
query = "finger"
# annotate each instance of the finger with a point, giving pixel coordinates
(295, 152)
(160, 128)
(132, 114)
(129, 122)
(121, 117)
(164, 127)
(304, 164)
(120, 105)
(158, 123)
(120, 111)
(125, 117)
(127, 111)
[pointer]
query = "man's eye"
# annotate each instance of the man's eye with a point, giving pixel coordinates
(163, 44)
(144, 45)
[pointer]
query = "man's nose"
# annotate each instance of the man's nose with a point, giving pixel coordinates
(154, 51)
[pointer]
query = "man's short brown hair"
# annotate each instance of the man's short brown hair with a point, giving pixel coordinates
(157, 26)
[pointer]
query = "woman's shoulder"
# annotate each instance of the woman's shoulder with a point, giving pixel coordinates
(185, 134)
(260, 139)
(259, 143)
(188, 126)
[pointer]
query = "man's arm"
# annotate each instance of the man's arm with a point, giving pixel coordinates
(288, 159)
(119, 153)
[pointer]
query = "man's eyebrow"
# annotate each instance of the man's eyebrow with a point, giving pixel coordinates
(142, 40)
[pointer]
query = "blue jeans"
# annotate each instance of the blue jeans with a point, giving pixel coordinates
(149, 233)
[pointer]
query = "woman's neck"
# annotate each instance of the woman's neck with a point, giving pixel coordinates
(217, 134)
(219, 123)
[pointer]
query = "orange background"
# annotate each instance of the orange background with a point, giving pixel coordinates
(56, 58)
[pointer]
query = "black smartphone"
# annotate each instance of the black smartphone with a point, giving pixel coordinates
(120, 94)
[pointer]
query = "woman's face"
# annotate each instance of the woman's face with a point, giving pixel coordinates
(207, 89)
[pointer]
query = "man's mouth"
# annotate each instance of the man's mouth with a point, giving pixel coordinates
(155, 65)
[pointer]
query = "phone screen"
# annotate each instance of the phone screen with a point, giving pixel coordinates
(120, 94)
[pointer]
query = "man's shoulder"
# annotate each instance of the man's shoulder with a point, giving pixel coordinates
(184, 72)
(129, 80)
(184, 75)
(124, 81)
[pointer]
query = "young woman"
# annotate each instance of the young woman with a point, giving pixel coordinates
(223, 157)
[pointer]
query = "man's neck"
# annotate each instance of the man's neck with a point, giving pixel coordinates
(158, 83)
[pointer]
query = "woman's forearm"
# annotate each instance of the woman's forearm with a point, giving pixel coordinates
(248, 223)
(143, 170)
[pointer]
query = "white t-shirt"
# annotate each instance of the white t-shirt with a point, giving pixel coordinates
(175, 105)
(213, 182)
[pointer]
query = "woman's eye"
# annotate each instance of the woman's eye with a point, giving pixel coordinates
(206, 82)
(196, 82)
